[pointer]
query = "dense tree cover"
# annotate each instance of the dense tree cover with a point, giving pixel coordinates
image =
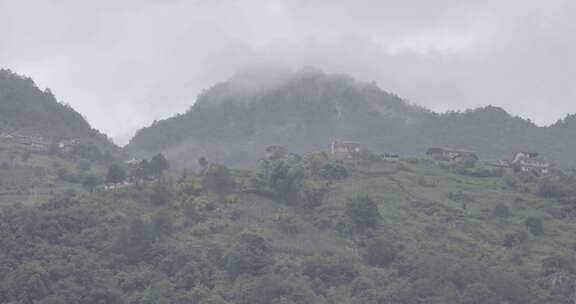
(90, 182)
(218, 179)
(116, 174)
(363, 212)
(308, 109)
(295, 180)
(158, 164)
(227, 236)
(148, 169)
(27, 110)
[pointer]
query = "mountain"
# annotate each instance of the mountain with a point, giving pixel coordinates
(307, 110)
(28, 111)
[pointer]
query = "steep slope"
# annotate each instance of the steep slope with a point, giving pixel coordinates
(402, 232)
(26, 110)
(490, 131)
(305, 111)
(560, 141)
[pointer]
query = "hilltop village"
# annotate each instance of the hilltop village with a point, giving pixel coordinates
(40, 144)
(134, 170)
(521, 161)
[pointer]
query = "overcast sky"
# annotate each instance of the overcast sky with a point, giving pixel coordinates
(125, 63)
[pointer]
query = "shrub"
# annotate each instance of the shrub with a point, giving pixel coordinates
(402, 167)
(161, 194)
(158, 164)
(162, 222)
(535, 226)
(512, 239)
(508, 286)
(287, 224)
(136, 241)
(363, 212)
(460, 196)
(67, 176)
(84, 165)
(193, 212)
(313, 194)
(330, 270)
(381, 252)
(275, 289)
(90, 182)
(218, 178)
(480, 172)
(424, 182)
(412, 160)
(286, 181)
(556, 264)
(501, 210)
(552, 189)
(367, 155)
(116, 174)
(250, 255)
(321, 166)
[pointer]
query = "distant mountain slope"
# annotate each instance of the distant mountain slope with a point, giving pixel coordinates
(27, 110)
(305, 111)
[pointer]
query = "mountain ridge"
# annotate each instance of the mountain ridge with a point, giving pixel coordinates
(27, 110)
(309, 109)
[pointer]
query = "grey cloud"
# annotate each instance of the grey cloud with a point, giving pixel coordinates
(126, 63)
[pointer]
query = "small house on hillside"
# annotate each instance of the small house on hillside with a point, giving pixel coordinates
(503, 164)
(6, 136)
(531, 162)
(133, 161)
(67, 145)
(450, 154)
(391, 156)
(344, 150)
(32, 142)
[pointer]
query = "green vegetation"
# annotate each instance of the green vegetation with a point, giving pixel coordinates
(372, 232)
(309, 108)
(27, 110)
(31, 177)
(116, 174)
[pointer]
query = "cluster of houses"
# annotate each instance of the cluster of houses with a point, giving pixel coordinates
(37, 143)
(32, 143)
(522, 161)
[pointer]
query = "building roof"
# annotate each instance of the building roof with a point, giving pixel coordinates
(529, 154)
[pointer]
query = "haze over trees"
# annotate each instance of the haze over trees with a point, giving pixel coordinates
(295, 228)
(27, 110)
(289, 232)
(307, 110)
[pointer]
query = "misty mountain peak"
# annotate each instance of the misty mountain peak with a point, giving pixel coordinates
(305, 86)
(306, 110)
(25, 109)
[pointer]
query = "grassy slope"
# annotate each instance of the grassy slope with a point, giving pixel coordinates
(419, 215)
(473, 232)
(34, 180)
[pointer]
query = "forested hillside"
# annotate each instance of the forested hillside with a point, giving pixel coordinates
(307, 110)
(30, 177)
(46, 147)
(300, 229)
(27, 110)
